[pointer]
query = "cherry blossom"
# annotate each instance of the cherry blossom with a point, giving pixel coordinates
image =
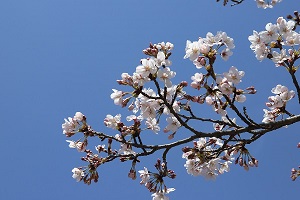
(112, 122)
(72, 124)
(78, 174)
(279, 58)
(79, 117)
(192, 50)
(144, 175)
(117, 96)
(199, 62)
(226, 53)
(80, 146)
(165, 74)
(173, 124)
(162, 195)
(69, 127)
(234, 75)
(126, 150)
(148, 67)
(197, 79)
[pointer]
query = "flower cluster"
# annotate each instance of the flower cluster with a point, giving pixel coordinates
(203, 160)
(154, 182)
(152, 67)
(203, 54)
(277, 103)
(72, 125)
(226, 85)
(244, 159)
(88, 173)
(148, 104)
(275, 36)
(201, 50)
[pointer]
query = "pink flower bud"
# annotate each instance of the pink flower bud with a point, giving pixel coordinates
(251, 164)
(241, 162)
(184, 83)
(131, 107)
(195, 85)
(201, 60)
(246, 167)
(186, 149)
(171, 136)
(132, 174)
(268, 104)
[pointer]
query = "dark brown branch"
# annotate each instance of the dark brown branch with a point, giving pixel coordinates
(295, 82)
(257, 132)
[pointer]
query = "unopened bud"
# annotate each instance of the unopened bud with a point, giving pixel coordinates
(255, 161)
(131, 107)
(125, 102)
(195, 144)
(251, 90)
(236, 161)
(201, 60)
(246, 167)
(132, 174)
(251, 164)
(200, 100)
(184, 83)
(268, 104)
(241, 162)
(171, 136)
(186, 149)
(293, 177)
(289, 17)
(121, 82)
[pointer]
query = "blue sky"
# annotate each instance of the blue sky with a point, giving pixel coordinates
(59, 57)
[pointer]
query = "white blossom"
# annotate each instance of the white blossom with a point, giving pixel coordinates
(165, 74)
(226, 53)
(162, 195)
(144, 175)
(148, 67)
(112, 122)
(78, 174)
(70, 126)
(126, 150)
(152, 124)
(173, 124)
(79, 117)
(234, 75)
(192, 50)
(117, 96)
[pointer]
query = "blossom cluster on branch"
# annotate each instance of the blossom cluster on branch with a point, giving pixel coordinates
(152, 96)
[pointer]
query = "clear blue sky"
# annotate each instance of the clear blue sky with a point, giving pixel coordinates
(59, 57)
